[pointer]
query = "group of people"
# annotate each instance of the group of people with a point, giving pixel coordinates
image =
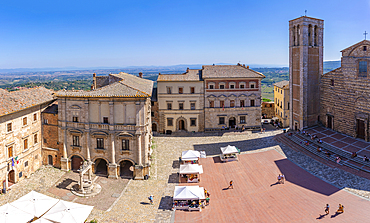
(340, 209)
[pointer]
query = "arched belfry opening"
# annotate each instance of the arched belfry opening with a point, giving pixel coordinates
(298, 35)
(310, 35)
(315, 36)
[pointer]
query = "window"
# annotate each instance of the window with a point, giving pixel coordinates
(252, 103)
(365, 48)
(221, 120)
(232, 86)
(25, 121)
(169, 106)
(242, 119)
(242, 86)
(192, 106)
(222, 86)
(211, 86)
(25, 144)
(46, 121)
(222, 104)
(181, 90)
(181, 106)
(125, 144)
(45, 141)
(75, 119)
(362, 68)
(34, 117)
(105, 120)
(193, 122)
(152, 114)
(100, 143)
(332, 82)
(76, 141)
(169, 90)
(26, 164)
(169, 121)
(211, 104)
(288, 105)
(242, 103)
(10, 151)
(35, 139)
(9, 127)
(192, 90)
(232, 103)
(271, 105)
(252, 85)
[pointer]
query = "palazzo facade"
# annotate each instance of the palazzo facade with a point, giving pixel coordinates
(109, 125)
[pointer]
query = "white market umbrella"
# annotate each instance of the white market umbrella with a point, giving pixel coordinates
(68, 212)
(190, 155)
(229, 150)
(42, 220)
(188, 193)
(191, 169)
(11, 214)
(35, 203)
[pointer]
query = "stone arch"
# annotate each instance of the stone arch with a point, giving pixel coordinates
(310, 35)
(181, 124)
(154, 127)
(100, 166)
(232, 121)
(76, 161)
(126, 168)
(316, 36)
(298, 35)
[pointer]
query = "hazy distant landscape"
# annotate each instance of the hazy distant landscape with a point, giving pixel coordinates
(69, 79)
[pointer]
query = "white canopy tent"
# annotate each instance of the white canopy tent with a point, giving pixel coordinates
(191, 169)
(35, 203)
(229, 150)
(188, 193)
(68, 212)
(190, 155)
(11, 214)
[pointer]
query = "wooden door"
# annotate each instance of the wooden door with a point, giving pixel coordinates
(360, 129)
(330, 122)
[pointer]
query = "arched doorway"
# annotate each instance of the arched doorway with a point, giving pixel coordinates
(154, 127)
(50, 159)
(232, 122)
(11, 177)
(181, 125)
(76, 162)
(126, 169)
(101, 167)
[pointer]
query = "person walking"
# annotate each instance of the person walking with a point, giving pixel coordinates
(151, 199)
(327, 209)
(279, 179)
(231, 184)
(282, 178)
(340, 208)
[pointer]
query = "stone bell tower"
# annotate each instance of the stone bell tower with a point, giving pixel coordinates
(305, 70)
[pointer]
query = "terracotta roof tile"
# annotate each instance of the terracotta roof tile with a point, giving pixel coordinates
(282, 84)
(222, 71)
(190, 75)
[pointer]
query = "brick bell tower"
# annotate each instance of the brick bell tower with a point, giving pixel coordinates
(305, 70)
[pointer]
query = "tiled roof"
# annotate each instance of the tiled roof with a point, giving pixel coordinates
(363, 42)
(190, 75)
(229, 71)
(127, 85)
(52, 109)
(18, 100)
(282, 84)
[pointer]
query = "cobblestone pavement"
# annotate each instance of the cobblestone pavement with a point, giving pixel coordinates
(132, 203)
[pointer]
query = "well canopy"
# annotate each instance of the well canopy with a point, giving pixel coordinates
(188, 193)
(11, 214)
(190, 155)
(35, 203)
(229, 150)
(68, 212)
(191, 169)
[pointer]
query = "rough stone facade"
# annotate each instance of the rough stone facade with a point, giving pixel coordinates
(51, 146)
(110, 125)
(305, 69)
(268, 109)
(155, 112)
(345, 93)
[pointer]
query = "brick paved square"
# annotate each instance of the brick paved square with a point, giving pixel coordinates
(361, 144)
(349, 140)
(328, 139)
(351, 148)
(339, 144)
(328, 132)
(338, 136)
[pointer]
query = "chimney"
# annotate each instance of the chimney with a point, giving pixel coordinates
(141, 75)
(243, 65)
(94, 74)
(159, 73)
(187, 70)
(247, 67)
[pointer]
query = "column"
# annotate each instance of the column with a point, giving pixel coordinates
(64, 160)
(112, 167)
(88, 141)
(139, 168)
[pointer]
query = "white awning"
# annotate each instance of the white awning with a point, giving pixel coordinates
(191, 169)
(35, 203)
(229, 150)
(68, 212)
(188, 193)
(11, 214)
(190, 155)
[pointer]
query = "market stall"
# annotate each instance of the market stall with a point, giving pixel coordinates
(188, 198)
(229, 153)
(191, 172)
(190, 157)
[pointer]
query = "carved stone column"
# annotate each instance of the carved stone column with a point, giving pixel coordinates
(112, 168)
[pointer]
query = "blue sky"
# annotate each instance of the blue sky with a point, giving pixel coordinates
(64, 33)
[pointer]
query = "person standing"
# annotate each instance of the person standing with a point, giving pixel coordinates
(327, 209)
(231, 185)
(282, 178)
(340, 208)
(279, 179)
(151, 197)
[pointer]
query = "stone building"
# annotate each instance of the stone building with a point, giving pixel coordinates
(282, 103)
(155, 112)
(20, 138)
(345, 93)
(212, 98)
(51, 147)
(109, 125)
(305, 70)
(232, 96)
(267, 109)
(180, 102)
